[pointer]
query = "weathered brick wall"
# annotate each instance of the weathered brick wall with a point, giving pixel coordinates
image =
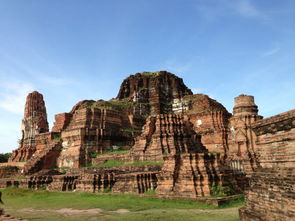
(276, 140)
(102, 158)
(166, 134)
(192, 175)
(124, 179)
(7, 171)
(212, 126)
(271, 195)
(61, 121)
(93, 130)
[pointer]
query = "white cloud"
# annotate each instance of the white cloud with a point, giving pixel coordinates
(53, 80)
(176, 67)
(275, 49)
(213, 10)
(247, 9)
(197, 90)
(13, 96)
(45, 71)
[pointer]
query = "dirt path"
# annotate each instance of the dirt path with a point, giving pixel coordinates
(71, 211)
(98, 214)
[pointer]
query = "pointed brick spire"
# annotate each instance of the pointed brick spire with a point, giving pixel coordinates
(33, 123)
(35, 116)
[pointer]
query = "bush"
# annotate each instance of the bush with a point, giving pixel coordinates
(43, 187)
(230, 189)
(93, 154)
(217, 190)
(56, 136)
(107, 190)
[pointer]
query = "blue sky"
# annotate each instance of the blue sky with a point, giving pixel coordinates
(70, 50)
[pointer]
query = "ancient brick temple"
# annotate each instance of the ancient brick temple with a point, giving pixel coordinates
(271, 195)
(156, 135)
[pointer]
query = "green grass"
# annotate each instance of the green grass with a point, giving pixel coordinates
(150, 192)
(151, 74)
(238, 202)
(113, 104)
(43, 205)
(116, 152)
(115, 163)
(112, 163)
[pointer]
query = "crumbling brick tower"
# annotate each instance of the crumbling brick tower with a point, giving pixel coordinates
(33, 123)
(241, 136)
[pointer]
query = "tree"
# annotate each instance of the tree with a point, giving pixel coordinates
(4, 157)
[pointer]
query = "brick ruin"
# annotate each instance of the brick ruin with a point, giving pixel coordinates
(33, 124)
(271, 195)
(156, 135)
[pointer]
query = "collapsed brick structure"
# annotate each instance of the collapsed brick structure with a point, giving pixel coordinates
(271, 195)
(180, 144)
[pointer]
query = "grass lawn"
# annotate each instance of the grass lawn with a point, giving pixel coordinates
(43, 205)
(115, 163)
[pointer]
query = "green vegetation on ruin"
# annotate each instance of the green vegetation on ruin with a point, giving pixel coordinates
(113, 104)
(52, 206)
(142, 88)
(116, 152)
(115, 163)
(150, 192)
(131, 130)
(57, 136)
(217, 191)
(111, 163)
(151, 74)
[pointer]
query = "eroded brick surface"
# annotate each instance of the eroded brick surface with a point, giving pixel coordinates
(271, 195)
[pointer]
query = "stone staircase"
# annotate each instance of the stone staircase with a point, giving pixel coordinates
(36, 162)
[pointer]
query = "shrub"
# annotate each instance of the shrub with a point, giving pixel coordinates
(217, 190)
(93, 154)
(107, 190)
(56, 136)
(43, 187)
